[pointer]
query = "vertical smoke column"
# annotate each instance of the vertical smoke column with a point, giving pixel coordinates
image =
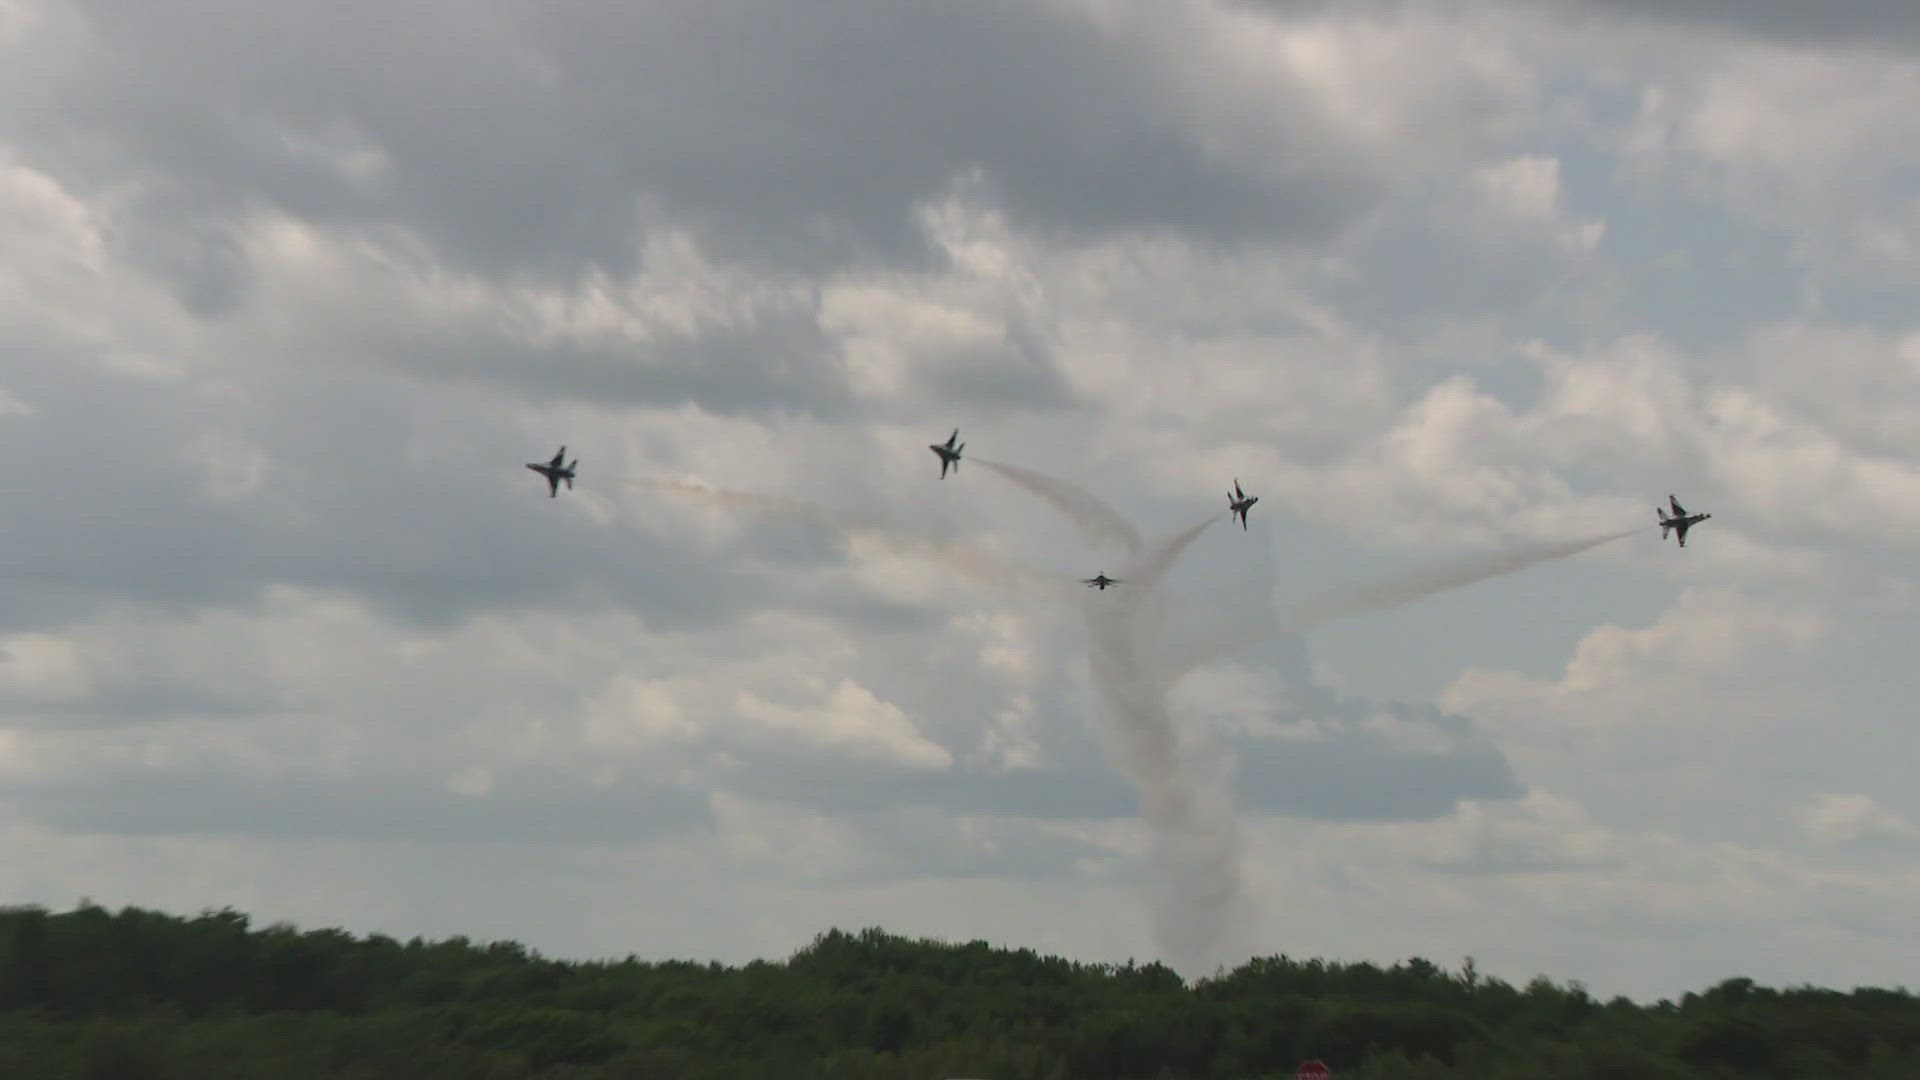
(1202, 912)
(1186, 798)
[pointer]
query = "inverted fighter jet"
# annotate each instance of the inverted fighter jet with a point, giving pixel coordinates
(1680, 522)
(1239, 502)
(949, 453)
(555, 471)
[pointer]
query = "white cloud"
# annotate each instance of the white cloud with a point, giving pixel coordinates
(1818, 140)
(1528, 189)
(40, 667)
(1416, 88)
(630, 713)
(17, 18)
(1847, 818)
(1656, 675)
(232, 467)
(1514, 883)
(1384, 265)
(849, 716)
(61, 284)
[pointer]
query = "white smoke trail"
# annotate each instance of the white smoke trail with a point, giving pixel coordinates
(1202, 912)
(1185, 791)
(1102, 523)
(1352, 600)
(975, 563)
(1427, 581)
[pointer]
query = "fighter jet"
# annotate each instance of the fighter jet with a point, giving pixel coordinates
(555, 471)
(949, 453)
(1238, 503)
(1100, 581)
(1681, 521)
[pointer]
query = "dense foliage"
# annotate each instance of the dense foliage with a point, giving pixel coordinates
(138, 994)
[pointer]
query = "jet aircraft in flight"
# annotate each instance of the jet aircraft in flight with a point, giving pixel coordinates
(1681, 521)
(1239, 502)
(1100, 581)
(556, 471)
(949, 453)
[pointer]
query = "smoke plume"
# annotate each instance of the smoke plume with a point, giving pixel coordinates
(1102, 524)
(1201, 910)
(1302, 615)
(1185, 787)
(1427, 581)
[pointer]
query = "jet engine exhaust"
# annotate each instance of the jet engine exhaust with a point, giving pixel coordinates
(1427, 581)
(1352, 600)
(1102, 524)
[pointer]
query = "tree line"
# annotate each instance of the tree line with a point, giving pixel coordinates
(138, 994)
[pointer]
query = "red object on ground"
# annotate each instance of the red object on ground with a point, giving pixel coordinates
(1313, 1070)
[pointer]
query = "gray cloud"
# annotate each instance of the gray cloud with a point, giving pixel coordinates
(376, 256)
(1854, 22)
(419, 505)
(922, 845)
(522, 137)
(1338, 780)
(1857, 22)
(371, 805)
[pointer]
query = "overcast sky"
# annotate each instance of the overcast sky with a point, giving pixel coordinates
(290, 292)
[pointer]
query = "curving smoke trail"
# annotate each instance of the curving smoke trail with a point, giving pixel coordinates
(1202, 912)
(1427, 581)
(1185, 787)
(1100, 522)
(1351, 600)
(1186, 791)
(975, 563)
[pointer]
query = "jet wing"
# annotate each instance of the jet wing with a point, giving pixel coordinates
(1678, 510)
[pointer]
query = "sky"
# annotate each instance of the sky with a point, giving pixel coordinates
(291, 292)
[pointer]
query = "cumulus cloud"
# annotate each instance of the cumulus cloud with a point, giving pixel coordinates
(1093, 118)
(851, 717)
(1850, 818)
(286, 617)
(1615, 671)
(1812, 140)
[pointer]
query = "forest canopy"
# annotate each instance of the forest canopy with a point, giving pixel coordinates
(97, 994)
